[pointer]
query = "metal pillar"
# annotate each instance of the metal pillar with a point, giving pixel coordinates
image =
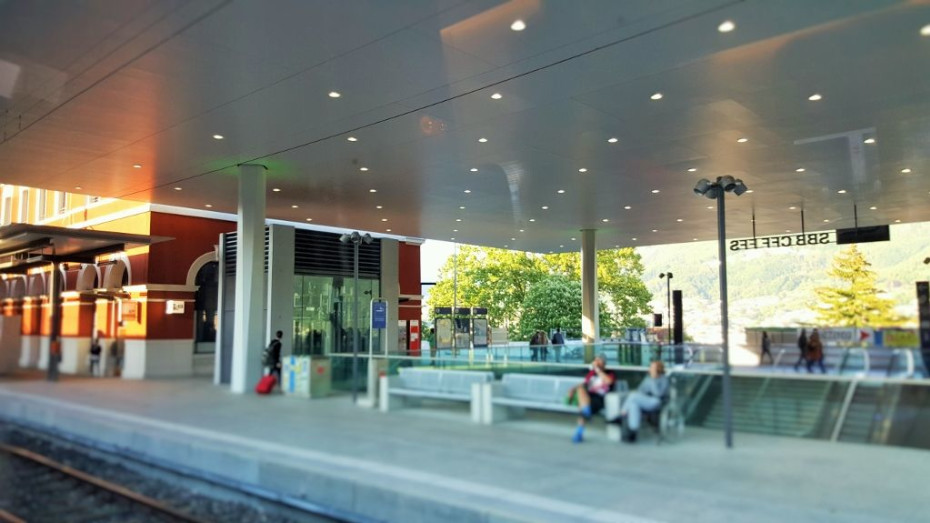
(355, 329)
(724, 319)
(54, 345)
(590, 328)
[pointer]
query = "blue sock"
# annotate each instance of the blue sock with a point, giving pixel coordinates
(579, 434)
(586, 412)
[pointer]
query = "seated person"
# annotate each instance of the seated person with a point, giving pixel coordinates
(590, 394)
(648, 397)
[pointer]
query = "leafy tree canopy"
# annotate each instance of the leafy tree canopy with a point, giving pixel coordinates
(856, 301)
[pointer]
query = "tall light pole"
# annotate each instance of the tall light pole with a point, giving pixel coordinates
(716, 190)
(668, 301)
(355, 238)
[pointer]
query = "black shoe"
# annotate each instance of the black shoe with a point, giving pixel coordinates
(630, 436)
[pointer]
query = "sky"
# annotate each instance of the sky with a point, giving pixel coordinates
(432, 255)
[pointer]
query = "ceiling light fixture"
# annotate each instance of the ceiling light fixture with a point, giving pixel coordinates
(925, 30)
(383, 219)
(372, 190)
(873, 208)
(656, 96)
(137, 166)
(792, 208)
(275, 189)
(462, 207)
(532, 219)
(655, 230)
(627, 207)
(612, 140)
(209, 206)
(379, 206)
(573, 239)
(513, 239)
(352, 139)
(726, 26)
(897, 221)
(518, 25)
(841, 191)
(218, 137)
(455, 230)
(655, 191)
(545, 207)
(482, 140)
(634, 239)
(826, 220)
(496, 96)
(679, 220)
(605, 220)
(78, 188)
(869, 141)
(800, 170)
(474, 169)
(177, 188)
(582, 170)
(334, 94)
(387, 230)
(311, 219)
(692, 170)
(521, 230)
(458, 219)
(467, 191)
(561, 191)
(742, 140)
(905, 171)
(293, 206)
(816, 97)
(363, 169)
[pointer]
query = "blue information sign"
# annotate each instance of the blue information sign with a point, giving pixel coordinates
(378, 315)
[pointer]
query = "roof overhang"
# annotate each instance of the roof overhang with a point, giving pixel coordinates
(24, 246)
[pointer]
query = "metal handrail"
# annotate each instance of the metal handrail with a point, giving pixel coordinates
(778, 358)
(910, 362)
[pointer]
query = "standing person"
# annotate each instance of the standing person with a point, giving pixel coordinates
(544, 343)
(558, 340)
(95, 351)
(766, 348)
(534, 347)
(273, 356)
(649, 397)
(591, 392)
(815, 352)
(802, 347)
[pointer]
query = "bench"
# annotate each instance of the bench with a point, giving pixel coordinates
(515, 393)
(414, 384)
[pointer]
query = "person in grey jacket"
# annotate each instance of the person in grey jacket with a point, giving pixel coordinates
(648, 397)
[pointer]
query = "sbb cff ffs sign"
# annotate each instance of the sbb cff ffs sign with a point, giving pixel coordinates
(787, 240)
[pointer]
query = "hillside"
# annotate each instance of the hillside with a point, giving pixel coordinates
(775, 287)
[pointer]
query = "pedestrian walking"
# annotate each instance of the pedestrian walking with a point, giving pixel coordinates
(766, 348)
(802, 347)
(815, 352)
(558, 341)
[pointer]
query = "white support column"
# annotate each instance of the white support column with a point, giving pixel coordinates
(281, 286)
(590, 325)
(250, 238)
(390, 291)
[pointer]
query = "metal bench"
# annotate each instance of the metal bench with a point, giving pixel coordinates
(515, 393)
(412, 385)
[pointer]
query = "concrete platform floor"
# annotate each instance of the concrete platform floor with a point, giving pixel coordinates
(518, 470)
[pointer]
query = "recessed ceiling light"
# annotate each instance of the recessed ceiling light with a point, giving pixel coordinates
(474, 169)
(363, 169)
(372, 190)
(925, 30)
(311, 219)
(905, 171)
(293, 206)
(334, 94)
(655, 191)
(573, 239)
(873, 208)
(505, 246)
(634, 239)
(387, 230)
(452, 238)
(545, 207)
(694, 239)
(532, 219)
(655, 230)
(656, 96)
(496, 96)
(692, 170)
(582, 170)
(792, 207)
(826, 220)
(455, 230)
(521, 230)
(605, 220)
(462, 207)
(513, 239)
(561, 191)
(710, 207)
(379, 207)
(218, 136)
(561, 246)
(467, 191)
(800, 170)
(383, 219)
(627, 207)
(749, 191)
(275, 189)
(137, 166)
(482, 140)
(742, 140)
(352, 139)
(612, 140)
(869, 141)
(726, 26)
(897, 221)
(458, 219)
(78, 188)
(816, 97)
(518, 25)
(787, 230)
(841, 191)
(209, 206)
(679, 220)
(177, 188)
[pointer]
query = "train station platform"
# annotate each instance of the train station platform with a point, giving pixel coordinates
(433, 464)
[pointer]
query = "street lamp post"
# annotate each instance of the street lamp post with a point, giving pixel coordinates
(668, 301)
(355, 238)
(715, 191)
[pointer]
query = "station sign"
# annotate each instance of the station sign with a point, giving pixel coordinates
(784, 240)
(379, 315)
(174, 307)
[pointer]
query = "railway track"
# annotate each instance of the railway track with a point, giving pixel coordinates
(40, 489)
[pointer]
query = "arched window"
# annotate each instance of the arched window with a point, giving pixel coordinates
(205, 306)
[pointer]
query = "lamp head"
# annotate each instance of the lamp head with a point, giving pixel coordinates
(367, 238)
(702, 186)
(345, 238)
(739, 188)
(727, 182)
(661, 275)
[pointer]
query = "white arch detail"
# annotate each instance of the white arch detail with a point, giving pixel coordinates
(86, 276)
(36, 279)
(114, 276)
(197, 265)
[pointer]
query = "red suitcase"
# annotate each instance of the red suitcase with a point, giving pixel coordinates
(265, 384)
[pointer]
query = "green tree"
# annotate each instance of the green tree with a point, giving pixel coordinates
(856, 301)
(555, 301)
